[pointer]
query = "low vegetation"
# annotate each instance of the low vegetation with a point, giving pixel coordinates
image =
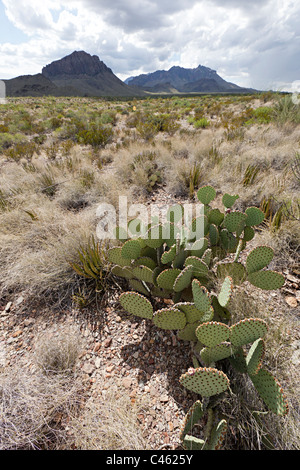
(62, 157)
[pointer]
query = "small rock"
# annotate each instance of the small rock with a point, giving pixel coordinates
(97, 362)
(127, 382)
(88, 368)
(8, 307)
(291, 301)
(17, 333)
(107, 342)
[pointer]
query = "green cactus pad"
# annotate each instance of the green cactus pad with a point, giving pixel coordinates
(270, 391)
(154, 236)
(207, 256)
(120, 234)
(136, 304)
(206, 194)
(212, 333)
(218, 435)
(122, 271)
(143, 273)
(193, 443)
(216, 217)
(201, 296)
(267, 280)
(200, 268)
(192, 417)
(175, 213)
(199, 247)
(213, 234)
(169, 319)
(138, 286)
(235, 222)
(167, 278)
(183, 280)
(115, 257)
(188, 333)
(229, 241)
(145, 261)
(131, 249)
(249, 234)
(238, 360)
(235, 270)
(216, 353)
(255, 216)
(200, 227)
(255, 356)
(206, 381)
(228, 200)
(259, 258)
(169, 256)
(161, 293)
(225, 292)
(247, 331)
(191, 312)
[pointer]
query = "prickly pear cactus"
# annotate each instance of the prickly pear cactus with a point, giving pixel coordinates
(172, 260)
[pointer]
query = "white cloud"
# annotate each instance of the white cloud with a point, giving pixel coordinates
(253, 43)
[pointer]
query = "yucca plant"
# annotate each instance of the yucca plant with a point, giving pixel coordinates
(93, 264)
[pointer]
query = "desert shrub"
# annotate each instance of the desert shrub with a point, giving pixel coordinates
(96, 136)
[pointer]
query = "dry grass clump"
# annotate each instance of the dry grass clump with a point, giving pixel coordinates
(57, 352)
(110, 422)
(33, 408)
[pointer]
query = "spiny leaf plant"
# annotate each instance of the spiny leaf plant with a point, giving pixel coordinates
(167, 260)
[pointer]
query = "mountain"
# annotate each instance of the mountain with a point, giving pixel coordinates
(200, 79)
(78, 74)
(87, 74)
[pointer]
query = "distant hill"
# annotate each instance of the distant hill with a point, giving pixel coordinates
(87, 74)
(200, 79)
(78, 74)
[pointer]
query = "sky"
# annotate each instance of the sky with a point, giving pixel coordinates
(253, 43)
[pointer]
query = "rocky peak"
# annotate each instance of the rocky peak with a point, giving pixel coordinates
(78, 63)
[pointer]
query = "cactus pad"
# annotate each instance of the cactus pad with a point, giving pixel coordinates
(200, 268)
(199, 247)
(235, 222)
(143, 273)
(238, 360)
(192, 417)
(201, 296)
(115, 257)
(193, 443)
(213, 234)
(228, 200)
(145, 261)
(212, 333)
(154, 236)
(259, 258)
(216, 353)
(206, 381)
(131, 249)
(270, 391)
(255, 356)
(183, 280)
(215, 217)
(247, 331)
(206, 194)
(218, 435)
(191, 312)
(138, 286)
(122, 271)
(267, 280)
(188, 333)
(167, 278)
(169, 319)
(225, 292)
(168, 256)
(136, 304)
(254, 216)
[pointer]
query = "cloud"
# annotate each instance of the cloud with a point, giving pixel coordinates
(253, 43)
